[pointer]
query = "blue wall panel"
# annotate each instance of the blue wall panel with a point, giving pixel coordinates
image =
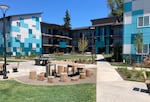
(15, 29)
(128, 7)
(62, 44)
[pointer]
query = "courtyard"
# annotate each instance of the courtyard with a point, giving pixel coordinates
(106, 85)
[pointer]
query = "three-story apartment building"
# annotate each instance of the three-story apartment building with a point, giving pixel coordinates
(55, 38)
(23, 34)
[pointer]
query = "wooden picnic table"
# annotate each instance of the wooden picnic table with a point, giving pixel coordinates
(69, 65)
(44, 60)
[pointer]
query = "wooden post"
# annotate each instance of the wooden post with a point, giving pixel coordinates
(60, 69)
(82, 75)
(32, 75)
(50, 79)
(63, 77)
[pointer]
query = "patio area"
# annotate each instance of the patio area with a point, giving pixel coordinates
(26, 67)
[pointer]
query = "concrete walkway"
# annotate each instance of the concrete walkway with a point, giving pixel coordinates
(112, 88)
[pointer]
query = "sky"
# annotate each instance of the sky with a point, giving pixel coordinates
(53, 11)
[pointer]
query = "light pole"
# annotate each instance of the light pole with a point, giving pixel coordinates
(92, 28)
(4, 8)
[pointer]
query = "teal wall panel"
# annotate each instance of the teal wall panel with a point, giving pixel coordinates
(128, 7)
(62, 44)
(15, 29)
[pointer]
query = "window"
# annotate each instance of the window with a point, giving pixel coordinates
(145, 48)
(18, 24)
(18, 37)
(30, 31)
(33, 46)
(34, 37)
(33, 26)
(146, 21)
(143, 21)
(19, 49)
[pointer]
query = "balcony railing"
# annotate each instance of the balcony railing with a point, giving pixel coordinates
(57, 36)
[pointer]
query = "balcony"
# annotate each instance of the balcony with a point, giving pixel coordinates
(47, 35)
(56, 36)
(61, 36)
(48, 45)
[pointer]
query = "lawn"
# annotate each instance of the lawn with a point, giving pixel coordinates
(12, 91)
(71, 57)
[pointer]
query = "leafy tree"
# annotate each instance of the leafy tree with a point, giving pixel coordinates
(116, 7)
(138, 42)
(67, 20)
(82, 44)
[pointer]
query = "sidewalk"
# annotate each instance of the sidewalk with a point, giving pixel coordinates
(112, 88)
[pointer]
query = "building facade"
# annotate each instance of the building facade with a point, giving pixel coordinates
(23, 34)
(82, 32)
(26, 35)
(136, 20)
(108, 35)
(55, 38)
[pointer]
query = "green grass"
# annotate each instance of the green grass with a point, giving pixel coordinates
(12, 91)
(71, 57)
(121, 65)
(13, 60)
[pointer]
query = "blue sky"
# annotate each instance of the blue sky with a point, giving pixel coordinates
(81, 11)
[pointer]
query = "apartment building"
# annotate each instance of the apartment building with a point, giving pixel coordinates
(55, 38)
(82, 32)
(136, 20)
(108, 35)
(23, 34)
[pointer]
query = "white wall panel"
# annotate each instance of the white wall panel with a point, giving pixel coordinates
(126, 49)
(127, 18)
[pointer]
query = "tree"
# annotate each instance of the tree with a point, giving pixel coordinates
(138, 43)
(82, 44)
(116, 7)
(67, 20)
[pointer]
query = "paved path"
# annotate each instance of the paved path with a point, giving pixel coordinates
(112, 88)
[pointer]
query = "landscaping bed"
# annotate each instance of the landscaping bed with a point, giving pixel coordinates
(133, 74)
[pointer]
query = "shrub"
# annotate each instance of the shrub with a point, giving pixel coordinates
(138, 74)
(147, 73)
(128, 74)
(133, 69)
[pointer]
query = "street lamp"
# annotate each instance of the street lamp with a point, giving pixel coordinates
(92, 28)
(4, 8)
